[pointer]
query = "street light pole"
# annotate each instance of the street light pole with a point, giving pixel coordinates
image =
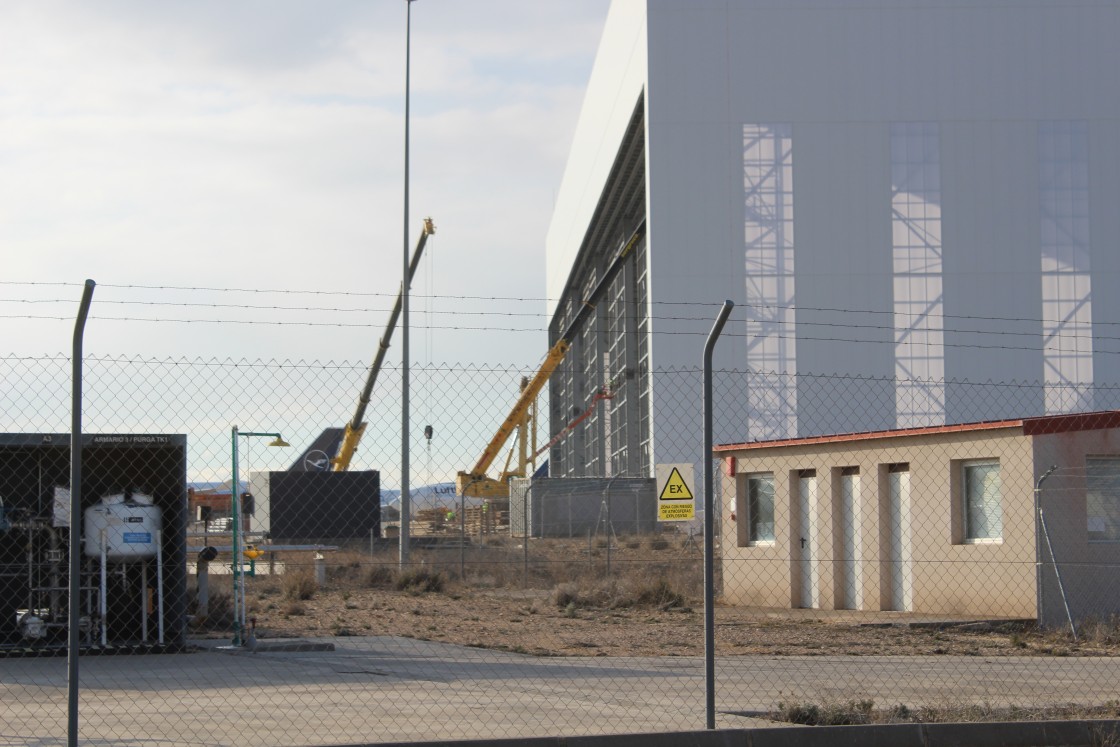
(235, 508)
(406, 502)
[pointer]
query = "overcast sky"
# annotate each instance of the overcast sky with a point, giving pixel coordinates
(259, 146)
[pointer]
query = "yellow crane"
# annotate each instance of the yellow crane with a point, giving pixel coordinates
(340, 462)
(476, 483)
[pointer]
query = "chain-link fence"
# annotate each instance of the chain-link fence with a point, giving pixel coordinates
(236, 590)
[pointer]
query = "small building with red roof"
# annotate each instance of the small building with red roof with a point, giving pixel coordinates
(1002, 519)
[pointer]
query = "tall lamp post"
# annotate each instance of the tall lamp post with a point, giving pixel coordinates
(406, 500)
(235, 508)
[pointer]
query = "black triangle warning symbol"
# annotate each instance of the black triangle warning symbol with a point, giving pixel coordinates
(675, 488)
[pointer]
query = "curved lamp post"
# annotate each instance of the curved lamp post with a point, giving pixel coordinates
(235, 508)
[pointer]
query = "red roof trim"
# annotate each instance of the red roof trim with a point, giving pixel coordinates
(1082, 421)
(1031, 427)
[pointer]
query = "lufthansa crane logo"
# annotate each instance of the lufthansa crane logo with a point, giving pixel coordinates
(316, 461)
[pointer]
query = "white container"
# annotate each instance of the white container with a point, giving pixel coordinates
(130, 528)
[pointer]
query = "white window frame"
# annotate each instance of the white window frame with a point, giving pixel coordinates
(754, 537)
(1114, 491)
(967, 530)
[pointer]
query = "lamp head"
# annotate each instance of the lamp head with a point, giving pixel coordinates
(279, 441)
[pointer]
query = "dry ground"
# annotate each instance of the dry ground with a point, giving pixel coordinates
(649, 605)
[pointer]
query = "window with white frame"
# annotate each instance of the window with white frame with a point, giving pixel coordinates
(1102, 498)
(983, 514)
(760, 508)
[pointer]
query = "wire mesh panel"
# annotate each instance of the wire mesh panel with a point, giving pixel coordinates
(259, 595)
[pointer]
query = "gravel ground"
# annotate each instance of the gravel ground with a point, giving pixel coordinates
(647, 608)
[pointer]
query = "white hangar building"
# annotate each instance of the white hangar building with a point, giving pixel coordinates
(911, 202)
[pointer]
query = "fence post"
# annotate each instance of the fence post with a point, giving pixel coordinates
(1041, 521)
(709, 523)
(75, 517)
(525, 527)
(320, 570)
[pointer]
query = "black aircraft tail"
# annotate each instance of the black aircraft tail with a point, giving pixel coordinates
(317, 457)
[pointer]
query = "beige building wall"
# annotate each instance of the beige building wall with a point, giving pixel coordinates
(945, 574)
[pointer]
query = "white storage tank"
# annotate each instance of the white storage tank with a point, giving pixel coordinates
(130, 527)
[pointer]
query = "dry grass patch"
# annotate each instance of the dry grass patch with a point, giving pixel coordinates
(299, 586)
(616, 593)
(420, 580)
(863, 711)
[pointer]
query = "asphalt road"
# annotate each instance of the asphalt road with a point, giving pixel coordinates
(374, 689)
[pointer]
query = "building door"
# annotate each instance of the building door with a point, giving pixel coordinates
(852, 589)
(901, 561)
(807, 504)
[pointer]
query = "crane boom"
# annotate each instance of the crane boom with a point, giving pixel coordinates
(475, 483)
(355, 428)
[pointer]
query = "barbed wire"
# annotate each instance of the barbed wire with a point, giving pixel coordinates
(491, 368)
(535, 315)
(524, 299)
(541, 331)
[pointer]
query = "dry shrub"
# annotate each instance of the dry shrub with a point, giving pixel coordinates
(1098, 631)
(590, 594)
(420, 580)
(483, 581)
(299, 586)
(659, 594)
(220, 615)
(658, 543)
(855, 712)
(846, 713)
(381, 577)
(346, 573)
(564, 596)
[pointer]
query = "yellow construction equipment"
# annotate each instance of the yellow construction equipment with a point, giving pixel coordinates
(340, 462)
(476, 483)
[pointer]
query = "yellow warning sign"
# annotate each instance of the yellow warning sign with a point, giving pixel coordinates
(674, 498)
(676, 512)
(675, 488)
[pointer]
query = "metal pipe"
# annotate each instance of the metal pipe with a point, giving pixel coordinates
(75, 516)
(159, 581)
(104, 590)
(709, 523)
(30, 557)
(202, 578)
(56, 580)
(144, 601)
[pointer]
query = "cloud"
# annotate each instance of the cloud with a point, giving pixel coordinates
(259, 145)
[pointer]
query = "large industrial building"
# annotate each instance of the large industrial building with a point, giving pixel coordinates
(910, 201)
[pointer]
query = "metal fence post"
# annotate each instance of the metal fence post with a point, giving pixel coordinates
(75, 517)
(709, 523)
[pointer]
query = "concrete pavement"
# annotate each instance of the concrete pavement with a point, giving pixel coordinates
(396, 689)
